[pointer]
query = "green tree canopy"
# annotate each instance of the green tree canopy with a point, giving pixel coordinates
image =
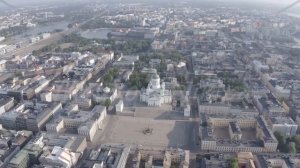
(287, 145)
(234, 163)
(110, 76)
(280, 138)
(107, 103)
(292, 147)
(296, 139)
(138, 80)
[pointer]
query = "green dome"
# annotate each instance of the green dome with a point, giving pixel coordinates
(155, 76)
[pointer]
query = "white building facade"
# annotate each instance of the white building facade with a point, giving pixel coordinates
(285, 125)
(156, 94)
(60, 157)
(119, 106)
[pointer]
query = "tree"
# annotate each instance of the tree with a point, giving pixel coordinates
(70, 26)
(281, 139)
(200, 91)
(204, 124)
(281, 142)
(176, 56)
(18, 74)
(234, 163)
(292, 147)
(296, 139)
(281, 99)
(285, 148)
(107, 103)
(135, 46)
(287, 145)
(110, 76)
(181, 79)
(107, 79)
(12, 31)
(179, 88)
(113, 72)
(138, 80)
(58, 49)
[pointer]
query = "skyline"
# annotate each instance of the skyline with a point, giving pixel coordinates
(149, 83)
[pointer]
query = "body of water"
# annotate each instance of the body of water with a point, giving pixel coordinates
(96, 33)
(43, 29)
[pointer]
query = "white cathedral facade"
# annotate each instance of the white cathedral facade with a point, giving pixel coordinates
(156, 94)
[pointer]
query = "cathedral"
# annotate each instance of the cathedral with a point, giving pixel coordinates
(156, 94)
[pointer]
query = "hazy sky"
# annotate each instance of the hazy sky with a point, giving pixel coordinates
(29, 2)
(21, 3)
(39, 1)
(273, 1)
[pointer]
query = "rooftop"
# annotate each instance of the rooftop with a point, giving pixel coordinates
(282, 120)
(4, 100)
(18, 158)
(208, 133)
(31, 110)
